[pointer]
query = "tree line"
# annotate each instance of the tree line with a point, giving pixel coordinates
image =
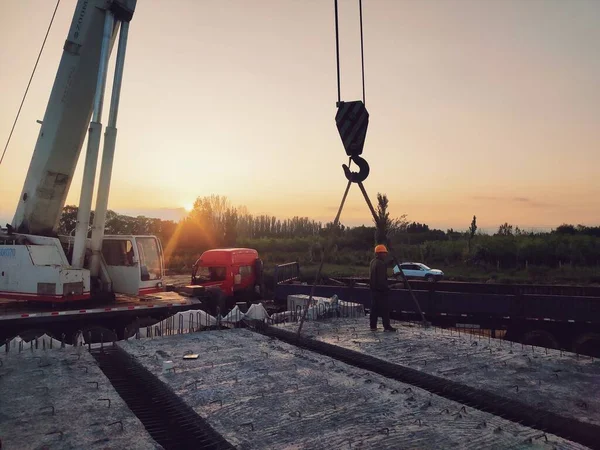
(214, 222)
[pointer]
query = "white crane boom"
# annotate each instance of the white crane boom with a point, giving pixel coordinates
(34, 262)
(67, 118)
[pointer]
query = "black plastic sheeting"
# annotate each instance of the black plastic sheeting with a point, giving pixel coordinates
(167, 418)
(583, 433)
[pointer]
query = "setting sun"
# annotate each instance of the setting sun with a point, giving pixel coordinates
(188, 206)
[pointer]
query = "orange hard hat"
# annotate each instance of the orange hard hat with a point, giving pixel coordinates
(381, 249)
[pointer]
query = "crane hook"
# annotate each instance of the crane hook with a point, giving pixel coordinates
(363, 170)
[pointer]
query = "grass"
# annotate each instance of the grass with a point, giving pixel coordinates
(308, 272)
(532, 275)
(475, 274)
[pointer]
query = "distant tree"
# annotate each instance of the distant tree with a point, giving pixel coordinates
(566, 229)
(358, 238)
(386, 226)
(588, 231)
(436, 235)
(210, 211)
(472, 231)
(68, 220)
(416, 227)
(452, 235)
(230, 221)
(505, 230)
(333, 230)
(215, 219)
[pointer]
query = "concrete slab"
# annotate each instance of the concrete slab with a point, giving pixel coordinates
(59, 399)
(260, 393)
(556, 381)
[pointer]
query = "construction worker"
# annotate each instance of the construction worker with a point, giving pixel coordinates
(379, 289)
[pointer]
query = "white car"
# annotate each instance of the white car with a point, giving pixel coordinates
(418, 270)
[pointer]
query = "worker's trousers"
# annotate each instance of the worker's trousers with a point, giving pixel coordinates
(380, 307)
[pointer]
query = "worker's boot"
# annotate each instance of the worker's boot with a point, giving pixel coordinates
(390, 329)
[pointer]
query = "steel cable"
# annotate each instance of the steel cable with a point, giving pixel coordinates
(29, 83)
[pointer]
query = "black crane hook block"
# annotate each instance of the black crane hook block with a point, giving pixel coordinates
(363, 170)
(352, 120)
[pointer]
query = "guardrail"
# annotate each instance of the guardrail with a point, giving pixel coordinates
(493, 288)
(285, 273)
(436, 301)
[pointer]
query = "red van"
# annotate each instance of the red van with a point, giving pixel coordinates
(236, 271)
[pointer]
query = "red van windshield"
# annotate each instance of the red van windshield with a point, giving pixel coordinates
(212, 273)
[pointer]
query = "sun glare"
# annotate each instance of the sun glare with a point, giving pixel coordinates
(188, 206)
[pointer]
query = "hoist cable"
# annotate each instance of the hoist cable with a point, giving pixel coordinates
(318, 275)
(29, 84)
(369, 204)
(362, 52)
(337, 50)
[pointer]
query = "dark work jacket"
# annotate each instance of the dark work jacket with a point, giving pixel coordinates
(378, 276)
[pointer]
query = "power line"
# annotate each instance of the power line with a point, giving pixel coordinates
(29, 84)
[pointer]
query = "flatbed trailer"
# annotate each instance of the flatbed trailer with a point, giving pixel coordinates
(97, 322)
(570, 322)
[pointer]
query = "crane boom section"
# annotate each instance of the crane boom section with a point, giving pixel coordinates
(66, 119)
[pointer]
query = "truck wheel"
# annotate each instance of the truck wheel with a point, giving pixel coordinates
(540, 338)
(587, 344)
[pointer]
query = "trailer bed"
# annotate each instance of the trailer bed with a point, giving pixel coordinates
(16, 317)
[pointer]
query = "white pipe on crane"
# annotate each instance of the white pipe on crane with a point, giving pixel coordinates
(108, 153)
(93, 147)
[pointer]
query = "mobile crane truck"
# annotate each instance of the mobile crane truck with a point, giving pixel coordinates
(121, 276)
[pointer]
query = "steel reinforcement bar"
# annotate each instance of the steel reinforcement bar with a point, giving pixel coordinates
(584, 433)
(168, 419)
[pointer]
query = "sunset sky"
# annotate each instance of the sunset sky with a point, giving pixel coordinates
(486, 107)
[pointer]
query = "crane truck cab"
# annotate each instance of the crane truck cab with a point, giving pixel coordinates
(134, 263)
(237, 272)
(38, 268)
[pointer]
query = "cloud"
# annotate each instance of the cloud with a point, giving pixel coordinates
(348, 209)
(485, 197)
(174, 214)
(522, 200)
